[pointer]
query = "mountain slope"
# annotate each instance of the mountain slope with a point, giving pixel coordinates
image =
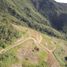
(27, 15)
(27, 39)
(7, 32)
(55, 12)
(34, 50)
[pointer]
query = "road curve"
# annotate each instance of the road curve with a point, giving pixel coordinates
(36, 41)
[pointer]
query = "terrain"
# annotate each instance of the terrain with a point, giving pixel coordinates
(34, 50)
(55, 12)
(27, 37)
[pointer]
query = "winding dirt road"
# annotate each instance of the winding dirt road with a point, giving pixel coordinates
(37, 42)
(19, 42)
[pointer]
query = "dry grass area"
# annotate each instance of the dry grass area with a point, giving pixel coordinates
(60, 53)
(26, 51)
(48, 42)
(29, 52)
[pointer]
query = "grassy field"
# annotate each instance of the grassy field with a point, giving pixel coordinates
(60, 53)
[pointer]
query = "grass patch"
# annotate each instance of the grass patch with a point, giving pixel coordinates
(8, 58)
(59, 54)
(42, 55)
(29, 64)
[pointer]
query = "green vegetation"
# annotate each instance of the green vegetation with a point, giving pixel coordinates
(22, 12)
(7, 59)
(60, 54)
(10, 57)
(28, 16)
(42, 55)
(17, 13)
(40, 64)
(7, 33)
(55, 12)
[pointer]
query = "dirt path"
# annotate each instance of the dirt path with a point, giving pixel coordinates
(16, 44)
(37, 42)
(20, 41)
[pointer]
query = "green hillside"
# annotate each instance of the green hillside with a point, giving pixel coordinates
(55, 12)
(7, 32)
(29, 36)
(27, 15)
